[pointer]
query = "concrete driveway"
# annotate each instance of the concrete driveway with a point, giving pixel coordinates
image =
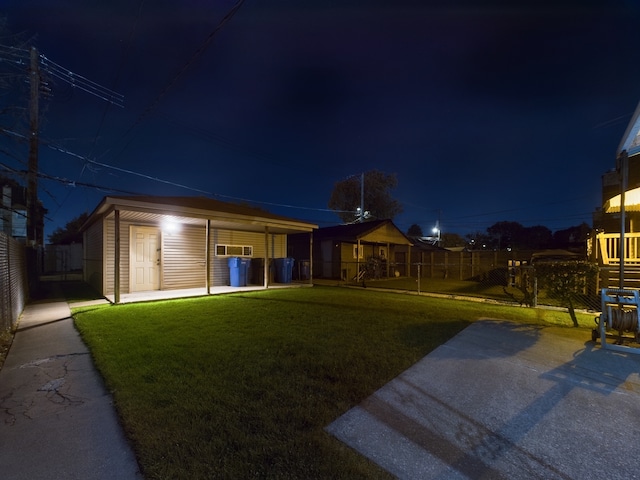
(505, 401)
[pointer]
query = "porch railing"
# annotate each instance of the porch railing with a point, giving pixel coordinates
(609, 248)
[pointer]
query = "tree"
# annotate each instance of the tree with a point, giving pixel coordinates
(566, 281)
(415, 230)
(378, 202)
(506, 234)
(479, 241)
(70, 233)
(572, 237)
(516, 236)
(450, 240)
(536, 237)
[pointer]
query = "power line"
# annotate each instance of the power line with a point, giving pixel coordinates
(80, 82)
(179, 185)
(199, 51)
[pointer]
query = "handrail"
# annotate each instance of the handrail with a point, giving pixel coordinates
(609, 248)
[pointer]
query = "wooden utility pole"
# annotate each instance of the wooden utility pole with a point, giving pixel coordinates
(32, 174)
(361, 218)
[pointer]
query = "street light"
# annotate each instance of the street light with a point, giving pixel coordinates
(436, 233)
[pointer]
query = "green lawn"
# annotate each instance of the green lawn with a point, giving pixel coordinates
(491, 289)
(242, 386)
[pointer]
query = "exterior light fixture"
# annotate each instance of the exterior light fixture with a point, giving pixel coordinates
(170, 226)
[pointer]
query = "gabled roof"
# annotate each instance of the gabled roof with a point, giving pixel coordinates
(631, 138)
(373, 231)
(197, 210)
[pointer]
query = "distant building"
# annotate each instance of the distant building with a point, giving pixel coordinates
(604, 246)
(13, 214)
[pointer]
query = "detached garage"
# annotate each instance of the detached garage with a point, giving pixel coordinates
(148, 243)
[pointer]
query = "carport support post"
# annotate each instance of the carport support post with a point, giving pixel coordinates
(266, 256)
(116, 257)
(207, 255)
(358, 259)
(388, 260)
(311, 258)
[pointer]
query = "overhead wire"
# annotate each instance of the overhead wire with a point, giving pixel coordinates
(179, 185)
(198, 52)
(80, 82)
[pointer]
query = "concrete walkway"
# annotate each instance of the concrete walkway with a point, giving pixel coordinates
(505, 401)
(57, 420)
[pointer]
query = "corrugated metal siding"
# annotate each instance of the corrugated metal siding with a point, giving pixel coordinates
(184, 259)
(93, 256)
(13, 281)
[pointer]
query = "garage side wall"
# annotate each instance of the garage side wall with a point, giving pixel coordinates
(184, 259)
(93, 261)
(109, 255)
(219, 264)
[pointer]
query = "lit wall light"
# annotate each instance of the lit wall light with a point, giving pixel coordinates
(170, 226)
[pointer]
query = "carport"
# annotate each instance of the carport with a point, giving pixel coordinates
(143, 244)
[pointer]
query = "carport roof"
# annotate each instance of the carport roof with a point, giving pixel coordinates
(196, 211)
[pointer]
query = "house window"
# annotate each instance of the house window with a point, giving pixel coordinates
(234, 250)
(356, 253)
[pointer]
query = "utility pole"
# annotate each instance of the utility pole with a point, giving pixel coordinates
(361, 197)
(32, 174)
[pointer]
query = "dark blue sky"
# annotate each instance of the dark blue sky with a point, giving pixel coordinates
(486, 111)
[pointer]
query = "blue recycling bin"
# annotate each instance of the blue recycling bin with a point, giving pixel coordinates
(284, 268)
(238, 268)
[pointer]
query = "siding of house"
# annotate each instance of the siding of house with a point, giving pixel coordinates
(109, 255)
(184, 259)
(219, 265)
(94, 256)
(349, 263)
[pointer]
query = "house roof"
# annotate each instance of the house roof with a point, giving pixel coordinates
(631, 202)
(631, 138)
(379, 231)
(196, 211)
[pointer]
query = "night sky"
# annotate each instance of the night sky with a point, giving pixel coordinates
(486, 111)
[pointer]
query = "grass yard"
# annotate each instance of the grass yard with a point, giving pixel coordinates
(472, 288)
(241, 386)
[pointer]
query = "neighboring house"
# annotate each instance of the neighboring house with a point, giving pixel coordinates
(145, 243)
(343, 251)
(13, 220)
(608, 222)
(13, 214)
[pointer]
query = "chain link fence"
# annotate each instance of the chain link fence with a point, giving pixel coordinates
(497, 276)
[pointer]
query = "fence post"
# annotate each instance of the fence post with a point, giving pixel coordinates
(432, 262)
(419, 279)
(535, 292)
